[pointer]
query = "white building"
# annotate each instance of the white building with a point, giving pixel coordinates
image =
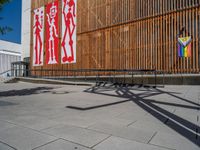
(9, 52)
(26, 23)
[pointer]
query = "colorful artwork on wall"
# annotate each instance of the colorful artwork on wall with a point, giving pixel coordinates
(38, 37)
(184, 46)
(68, 42)
(52, 31)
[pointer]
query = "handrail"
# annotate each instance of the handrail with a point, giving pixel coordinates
(5, 72)
(99, 74)
(97, 70)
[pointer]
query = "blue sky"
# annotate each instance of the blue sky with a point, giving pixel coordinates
(11, 14)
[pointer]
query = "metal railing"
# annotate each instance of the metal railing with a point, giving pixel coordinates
(100, 76)
(6, 73)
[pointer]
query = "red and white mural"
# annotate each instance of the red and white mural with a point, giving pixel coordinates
(68, 42)
(38, 39)
(52, 40)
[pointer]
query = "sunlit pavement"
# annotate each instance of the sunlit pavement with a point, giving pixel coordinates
(35, 116)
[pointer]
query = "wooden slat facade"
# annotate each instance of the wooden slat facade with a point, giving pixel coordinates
(133, 34)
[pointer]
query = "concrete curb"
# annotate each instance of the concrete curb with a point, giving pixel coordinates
(50, 81)
(147, 79)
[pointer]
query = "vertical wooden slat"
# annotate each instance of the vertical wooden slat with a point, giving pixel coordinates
(132, 34)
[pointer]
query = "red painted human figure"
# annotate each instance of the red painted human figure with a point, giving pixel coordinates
(38, 40)
(53, 35)
(69, 21)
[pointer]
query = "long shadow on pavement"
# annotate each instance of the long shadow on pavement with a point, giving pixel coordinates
(4, 103)
(184, 127)
(25, 92)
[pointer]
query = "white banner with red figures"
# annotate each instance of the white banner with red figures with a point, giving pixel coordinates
(68, 42)
(38, 37)
(52, 39)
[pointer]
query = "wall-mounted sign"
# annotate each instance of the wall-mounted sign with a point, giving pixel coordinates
(68, 42)
(52, 40)
(38, 37)
(184, 46)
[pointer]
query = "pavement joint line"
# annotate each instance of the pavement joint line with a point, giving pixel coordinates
(131, 123)
(76, 143)
(51, 127)
(46, 144)
(8, 145)
(100, 132)
(18, 125)
(10, 122)
(167, 119)
(65, 124)
(119, 114)
(152, 137)
(101, 141)
(135, 141)
(161, 146)
(60, 138)
(88, 127)
(62, 125)
(117, 136)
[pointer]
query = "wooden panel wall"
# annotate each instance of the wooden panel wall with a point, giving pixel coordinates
(133, 34)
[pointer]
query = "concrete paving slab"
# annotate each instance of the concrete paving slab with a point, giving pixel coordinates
(34, 122)
(62, 145)
(190, 115)
(77, 121)
(5, 125)
(101, 113)
(5, 147)
(155, 118)
(186, 129)
(153, 126)
(134, 134)
(88, 118)
(115, 121)
(90, 100)
(23, 138)
(173, 142)
(41, 109)
(132, 115)
(82, 136)
(128, 107)
(6, 115)
(170, 109)
(115, 143)
(60, 114)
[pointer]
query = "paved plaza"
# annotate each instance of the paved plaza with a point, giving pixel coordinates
(66, 117)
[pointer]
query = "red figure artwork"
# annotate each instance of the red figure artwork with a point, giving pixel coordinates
(52, 33)
(69, 31)
(38, 29)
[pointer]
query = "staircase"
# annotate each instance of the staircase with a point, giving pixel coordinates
(2, 79)
(5, 79)
(4, 76)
